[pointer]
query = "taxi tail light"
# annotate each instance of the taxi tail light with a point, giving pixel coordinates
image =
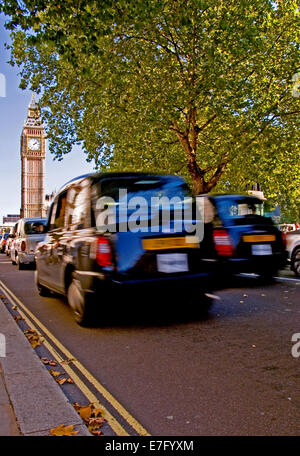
(222, 241)
(23, 246)
(103, 255)
(283, 237)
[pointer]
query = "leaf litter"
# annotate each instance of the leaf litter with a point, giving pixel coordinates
(92, 417)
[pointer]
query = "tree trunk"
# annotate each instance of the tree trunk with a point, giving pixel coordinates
(197, 176)
(189, 145)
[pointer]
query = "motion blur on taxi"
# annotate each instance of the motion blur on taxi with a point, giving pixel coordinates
(245, 240)
(117, 232)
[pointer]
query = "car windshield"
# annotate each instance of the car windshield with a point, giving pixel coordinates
(36, 227)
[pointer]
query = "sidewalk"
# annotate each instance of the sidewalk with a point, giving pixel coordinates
(8, 421)
(31, 402)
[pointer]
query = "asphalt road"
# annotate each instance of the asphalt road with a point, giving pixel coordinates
(231, 373)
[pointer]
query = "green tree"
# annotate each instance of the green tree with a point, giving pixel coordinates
(200, 87)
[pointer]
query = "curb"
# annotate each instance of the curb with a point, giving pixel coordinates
(37, 401)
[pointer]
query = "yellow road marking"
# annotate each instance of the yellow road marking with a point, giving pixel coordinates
(108, 396)
(118, 429)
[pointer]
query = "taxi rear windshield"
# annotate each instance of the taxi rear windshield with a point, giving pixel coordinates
(34, 227)
(147, 187)
(246, 209)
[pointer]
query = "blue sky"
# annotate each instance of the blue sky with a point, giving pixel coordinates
(13, 111)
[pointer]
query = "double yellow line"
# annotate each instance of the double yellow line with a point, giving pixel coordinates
(31, 320)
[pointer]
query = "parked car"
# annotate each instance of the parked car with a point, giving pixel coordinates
(3, 241)
(88, 263)
(287, 227)
(9, 242)
(293, 248)
(245, 240)
(29, 231)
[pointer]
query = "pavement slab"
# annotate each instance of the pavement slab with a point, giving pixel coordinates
(8, 420)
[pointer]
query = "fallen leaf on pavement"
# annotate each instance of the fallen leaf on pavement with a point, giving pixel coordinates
(85, 412)
(51, 362)
(55, 373)
(97, 433)
(94, 429)
(18, 317)
(33, 338)
(67, 361)
(61, 381)
(91, 416)
(96, 421)
(63, 430)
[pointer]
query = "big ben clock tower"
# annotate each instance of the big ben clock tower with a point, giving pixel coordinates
(33, 148)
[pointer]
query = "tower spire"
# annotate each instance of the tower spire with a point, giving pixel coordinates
(32, 104)
(33, 115)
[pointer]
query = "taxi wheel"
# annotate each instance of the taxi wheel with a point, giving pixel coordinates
(77, 300)
(296, 262)
(42, 291)
(204, 304)
(13, 261)
(267, 276)
(19, 264)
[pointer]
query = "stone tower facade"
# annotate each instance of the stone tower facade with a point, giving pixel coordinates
(33, 150)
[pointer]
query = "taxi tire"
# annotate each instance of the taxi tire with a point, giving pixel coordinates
(19, 264)
(13, 258)
(79, 302)
(205, 304)
(295, 262)
(267, 276)
(42, 291)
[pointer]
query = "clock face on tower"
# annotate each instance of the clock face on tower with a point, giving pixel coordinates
(34, 144)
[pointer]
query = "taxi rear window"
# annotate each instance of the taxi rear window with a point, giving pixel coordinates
(34, 227)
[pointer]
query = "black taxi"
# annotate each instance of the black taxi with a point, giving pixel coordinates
(111, 232)
(245, 240)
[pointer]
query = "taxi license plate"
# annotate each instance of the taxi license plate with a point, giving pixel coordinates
(172, 262)
(259, 238)
(261, 249)
(167, 243)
